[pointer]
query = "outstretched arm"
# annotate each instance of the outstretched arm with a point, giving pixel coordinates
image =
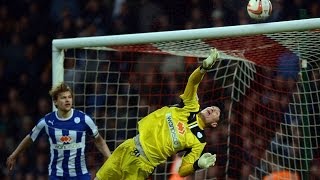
(102, 147)
(195, 78)
(25, 143)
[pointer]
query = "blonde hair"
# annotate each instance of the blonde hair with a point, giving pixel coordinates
(59, 88)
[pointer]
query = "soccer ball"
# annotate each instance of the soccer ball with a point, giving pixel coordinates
(259, 9)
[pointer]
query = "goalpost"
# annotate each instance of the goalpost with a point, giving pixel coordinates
(268, 79)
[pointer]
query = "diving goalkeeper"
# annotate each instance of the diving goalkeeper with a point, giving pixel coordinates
(165, 132)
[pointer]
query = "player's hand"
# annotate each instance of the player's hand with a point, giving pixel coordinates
(211, 59)
(11, 161)
(207, 160)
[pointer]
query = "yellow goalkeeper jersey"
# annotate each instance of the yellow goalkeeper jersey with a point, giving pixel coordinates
(176, 128)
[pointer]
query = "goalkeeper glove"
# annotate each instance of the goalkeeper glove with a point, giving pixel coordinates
(207, 160)
(211, 59)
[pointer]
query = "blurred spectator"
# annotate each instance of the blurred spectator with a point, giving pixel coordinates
(161, 23)
(45, 82)
(43, 107)
(243, 17)
(283, 175)
(123, 22)
(197, 19)
(96, 15)
(296, 9)
(96, 99)
(117, 5)
(26, 124)
(315, 167)
(5, 25)
(273, 167)
(221, 15)
(43, 46)
(314, 9)
(13, 53)
(61, 8)
(24, 167)
(3, 153)
(148, 11)
(70, 74)
(40, 169)
(174, 168)
(172, 64)
(3, 81)
(217, 18)
(37, 18)
(288, 65)
(66, 28)
(277, 11)
(285, 146)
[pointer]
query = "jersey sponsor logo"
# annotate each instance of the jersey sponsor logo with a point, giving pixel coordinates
(173, 132)
(68, 146)
(77, 120)
(65, 139)
(180, 127)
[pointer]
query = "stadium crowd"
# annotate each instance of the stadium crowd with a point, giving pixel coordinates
(27, 28)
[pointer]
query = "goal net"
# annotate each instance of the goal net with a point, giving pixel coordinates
(268, 79)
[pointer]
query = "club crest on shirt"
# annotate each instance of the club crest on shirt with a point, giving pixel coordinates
(199, 135)
(77, 120)
(180, 127)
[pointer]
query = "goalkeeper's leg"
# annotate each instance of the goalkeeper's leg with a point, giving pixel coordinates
(125, 163)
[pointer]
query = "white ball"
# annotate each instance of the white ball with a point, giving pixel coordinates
(259, 9)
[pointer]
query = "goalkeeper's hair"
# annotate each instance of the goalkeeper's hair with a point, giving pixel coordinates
(59, 88)
(220, 105)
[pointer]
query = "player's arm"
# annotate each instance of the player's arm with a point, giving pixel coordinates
(102, 146)
(186, 169)
(190, 92)
(24, 144)
(191, 156)
(99, 142)
(205, 161)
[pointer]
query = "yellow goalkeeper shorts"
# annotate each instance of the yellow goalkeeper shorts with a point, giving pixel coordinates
(125, 163)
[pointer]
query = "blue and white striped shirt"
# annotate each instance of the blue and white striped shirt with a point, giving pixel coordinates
(67, 139)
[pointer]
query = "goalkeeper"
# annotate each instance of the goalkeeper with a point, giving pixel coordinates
(165, 132)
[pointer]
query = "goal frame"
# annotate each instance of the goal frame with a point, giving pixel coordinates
(58, 45)
(102, 42)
